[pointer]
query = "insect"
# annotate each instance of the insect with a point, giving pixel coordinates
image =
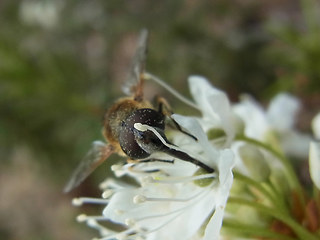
(120, 131)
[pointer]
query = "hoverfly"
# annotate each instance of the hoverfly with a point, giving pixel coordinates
(119, 126)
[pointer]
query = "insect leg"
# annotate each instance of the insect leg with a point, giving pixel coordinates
(165, 109)
(151, 160)
(185, 157)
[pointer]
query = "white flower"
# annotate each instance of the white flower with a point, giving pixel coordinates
(316, 126)
(278, 119)
(43, 13)
(314, 152)
(314, 163)
(177, 199)
(172, 201)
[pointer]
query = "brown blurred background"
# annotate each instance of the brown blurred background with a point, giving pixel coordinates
(62, 64)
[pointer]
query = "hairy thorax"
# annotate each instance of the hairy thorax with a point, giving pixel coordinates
(116, 115)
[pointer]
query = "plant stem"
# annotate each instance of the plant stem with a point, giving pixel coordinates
(272, 196)
(301, 232)
(289, 171)
(252, 231)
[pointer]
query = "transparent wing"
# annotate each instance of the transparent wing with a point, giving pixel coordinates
(134, 81)
(97, 154)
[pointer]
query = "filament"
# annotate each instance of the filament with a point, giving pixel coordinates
(169, 180)
(149, 76)
(83, 200)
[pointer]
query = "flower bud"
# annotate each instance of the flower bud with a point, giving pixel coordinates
(255, 162)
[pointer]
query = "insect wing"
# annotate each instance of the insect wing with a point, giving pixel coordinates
(98, 153)
(134, 81)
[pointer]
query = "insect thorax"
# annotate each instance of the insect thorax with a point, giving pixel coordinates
(116, 114)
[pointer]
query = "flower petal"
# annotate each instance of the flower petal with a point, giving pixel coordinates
(253, 116)
(282, 111)
(295, 143)
(202, 143)
(316, 126)
(214, 105)
(314, 163)
(225, 178)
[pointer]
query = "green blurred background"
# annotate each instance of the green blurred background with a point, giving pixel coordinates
(62, 64)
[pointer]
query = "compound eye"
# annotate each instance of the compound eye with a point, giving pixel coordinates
(127, 137)
(129, 145)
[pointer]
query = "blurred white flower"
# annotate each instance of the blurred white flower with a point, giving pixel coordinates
(314, 152)
(277, 121)
(316, 126)
(314, 163)
(42, 13)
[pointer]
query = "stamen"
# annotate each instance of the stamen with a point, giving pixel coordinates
(134, 231)
(170, 180)
(125, 235)
(85, 218)
(103, 230)
(108, 193)
(130, 222)
(119, 170)
(159, 227)
(111, 183)
(80, 201)
(149, 76)
(167, 199)
(116, 167)
(139, 199)
(143, 167)
(82, 218)
(147, 179)
(175, 214)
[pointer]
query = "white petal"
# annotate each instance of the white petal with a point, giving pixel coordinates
(189, 222)
(295, 144)
(282, 111)
(314, 163)
(214, 104)
(119, 204)
(226, 164)
(200, 89)
(213, 228)
(225, 178)
(202, 144)
(253, 116)
(316, 126)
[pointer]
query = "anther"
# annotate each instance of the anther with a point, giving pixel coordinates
(146, 180)
(82, 218)
(80, 201)
(139, 199)
(130, 222)
(77, 202)
(107, 194)
(116, 167)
